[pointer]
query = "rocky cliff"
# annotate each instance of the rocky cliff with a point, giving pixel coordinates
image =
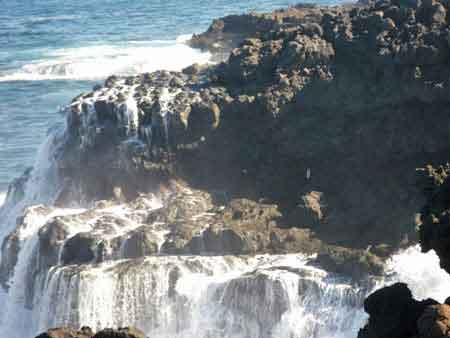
(327, 118)
(305, 139)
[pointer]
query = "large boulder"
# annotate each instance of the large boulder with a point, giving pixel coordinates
(393, 313)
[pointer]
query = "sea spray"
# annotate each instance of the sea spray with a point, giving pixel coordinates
(98, 62)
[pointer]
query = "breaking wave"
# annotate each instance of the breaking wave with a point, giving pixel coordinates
(421, 272)
(98, 62)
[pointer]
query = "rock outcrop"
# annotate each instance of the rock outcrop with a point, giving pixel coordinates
(229, 32)
(435, 223)
(325, 115)
(86, 332)
(120, 333)
(304, 139)
(394, 313)
(308, 134)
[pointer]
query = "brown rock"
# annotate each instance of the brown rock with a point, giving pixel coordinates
(128, 332)
(435, 322)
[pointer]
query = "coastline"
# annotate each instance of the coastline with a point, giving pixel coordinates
(304, 141)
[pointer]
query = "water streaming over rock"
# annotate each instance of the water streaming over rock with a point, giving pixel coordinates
(106, 281)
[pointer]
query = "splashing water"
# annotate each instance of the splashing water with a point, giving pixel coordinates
(98, 62)
(171, 296)
(421, 272)
(2, 198)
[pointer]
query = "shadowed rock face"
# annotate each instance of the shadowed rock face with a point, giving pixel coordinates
(332, 102)
(435, 224)
(86, 332)
(229, 32)
(305, 139)
(394, 313)
(120, 333)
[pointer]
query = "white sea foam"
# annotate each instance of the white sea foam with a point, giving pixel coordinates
(183, 38)
(2, 197)
(47, 19)
(98, 62)
(421, 272)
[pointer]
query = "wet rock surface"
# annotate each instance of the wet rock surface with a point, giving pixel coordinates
(395, 313)
(434, 221)
(324, 115)
(305, 138)
(67, 333)
(120, 333)
(87, 332)
(355, 263)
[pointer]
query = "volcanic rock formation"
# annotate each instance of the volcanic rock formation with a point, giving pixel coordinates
(305, 139)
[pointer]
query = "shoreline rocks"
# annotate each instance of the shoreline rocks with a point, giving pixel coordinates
(322, 119)
(86, 332)
(304, 139)
(314, 97)
(434, 221)
(394, 313)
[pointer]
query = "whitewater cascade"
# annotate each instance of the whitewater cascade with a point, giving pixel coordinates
(182, 296)
(105, 265)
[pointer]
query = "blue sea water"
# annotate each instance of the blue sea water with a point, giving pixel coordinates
(51, 50)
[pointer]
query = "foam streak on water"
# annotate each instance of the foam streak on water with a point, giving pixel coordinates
(98, 62)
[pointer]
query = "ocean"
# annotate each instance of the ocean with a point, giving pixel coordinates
(52, 50)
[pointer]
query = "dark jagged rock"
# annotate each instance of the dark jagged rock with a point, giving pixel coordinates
(10, 251)
(228, 32)
(140, 244)
(435, 221)
(51, 237)
(324, 114)
(306, 136)
(120, 333)
(393, 313)
(354, 263)
(67, 333)
(80, 249)
(86, 332)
